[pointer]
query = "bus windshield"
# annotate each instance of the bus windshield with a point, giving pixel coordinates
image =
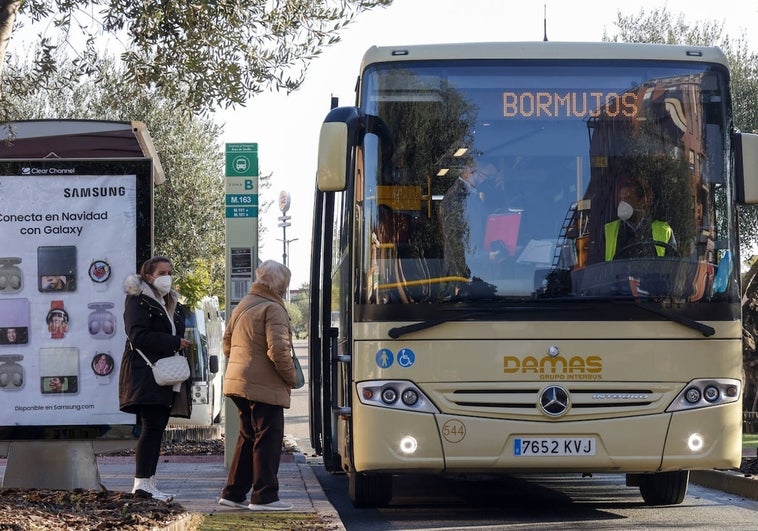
(545, 182)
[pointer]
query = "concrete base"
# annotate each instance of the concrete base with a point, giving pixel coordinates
(60, 465)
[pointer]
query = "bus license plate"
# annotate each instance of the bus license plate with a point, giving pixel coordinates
(541, 446)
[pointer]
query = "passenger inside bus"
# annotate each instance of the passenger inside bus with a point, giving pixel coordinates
(636, 233)
(463, 212)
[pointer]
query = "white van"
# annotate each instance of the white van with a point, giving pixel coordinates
(205, 329)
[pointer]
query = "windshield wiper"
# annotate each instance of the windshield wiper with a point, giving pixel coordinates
(704, 329)
(398, 331)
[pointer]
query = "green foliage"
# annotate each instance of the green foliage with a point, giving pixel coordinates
(661, 26)
(197, 281)
(299, 310)
(189, 223)
(296, 318)
(205, 54)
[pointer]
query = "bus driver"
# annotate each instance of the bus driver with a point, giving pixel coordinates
(636, 233)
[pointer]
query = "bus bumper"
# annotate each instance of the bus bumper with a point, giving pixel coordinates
(390, 440)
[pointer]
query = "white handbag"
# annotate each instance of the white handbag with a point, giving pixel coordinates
(168, 371)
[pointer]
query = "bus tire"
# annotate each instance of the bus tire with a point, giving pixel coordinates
(664, 488)
(369, 490)
(332, 463)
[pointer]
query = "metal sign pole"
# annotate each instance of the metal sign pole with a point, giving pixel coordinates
(241, 212)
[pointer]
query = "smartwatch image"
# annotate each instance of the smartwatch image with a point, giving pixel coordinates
(102, 365)
(11, 372)
(11, 277)
(101, 323)
(99, 273)
(57, 320)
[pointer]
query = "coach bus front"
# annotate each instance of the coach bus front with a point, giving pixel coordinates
(532, 253)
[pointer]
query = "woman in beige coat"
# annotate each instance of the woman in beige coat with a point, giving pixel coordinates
(259, 377)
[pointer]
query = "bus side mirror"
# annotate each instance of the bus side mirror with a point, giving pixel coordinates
(213, 364)
(746, 162)
(340, 133)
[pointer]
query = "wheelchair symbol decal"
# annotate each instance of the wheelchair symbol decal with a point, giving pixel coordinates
(406, 357)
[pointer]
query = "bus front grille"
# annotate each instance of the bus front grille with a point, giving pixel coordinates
(522, 401)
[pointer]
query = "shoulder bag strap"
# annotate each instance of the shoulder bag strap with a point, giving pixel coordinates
(149, 363)
(241, 313)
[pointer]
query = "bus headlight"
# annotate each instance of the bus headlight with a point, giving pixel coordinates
(695, 442)
(389, 395)
(705, 393)
(692, 395)
(410, 397)
(408, 445)
(385, 393)
(711, 393)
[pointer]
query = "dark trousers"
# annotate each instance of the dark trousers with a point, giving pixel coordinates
(256, 457)
(153, 421)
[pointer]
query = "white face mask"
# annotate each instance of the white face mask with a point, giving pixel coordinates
(162, 284)
(625, 211)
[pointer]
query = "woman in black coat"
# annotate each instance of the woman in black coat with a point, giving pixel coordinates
(154, 324)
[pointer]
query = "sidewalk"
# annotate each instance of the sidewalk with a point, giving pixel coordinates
(197, 481)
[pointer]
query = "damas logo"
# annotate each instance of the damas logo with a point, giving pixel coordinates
(555, 367)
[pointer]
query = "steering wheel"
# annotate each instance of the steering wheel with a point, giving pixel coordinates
(670, 249)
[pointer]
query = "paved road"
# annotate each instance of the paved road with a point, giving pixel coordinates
(528, 502)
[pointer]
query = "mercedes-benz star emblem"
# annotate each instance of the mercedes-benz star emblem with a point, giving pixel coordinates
(554, 401)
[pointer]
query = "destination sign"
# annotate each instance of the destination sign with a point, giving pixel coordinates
(569, 104)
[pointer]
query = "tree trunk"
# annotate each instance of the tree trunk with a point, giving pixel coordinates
(750, 335)
(8, 10)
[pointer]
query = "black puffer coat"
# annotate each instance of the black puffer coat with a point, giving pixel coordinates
(148, 328)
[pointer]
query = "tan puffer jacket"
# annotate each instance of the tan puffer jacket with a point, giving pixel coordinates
(257, 347)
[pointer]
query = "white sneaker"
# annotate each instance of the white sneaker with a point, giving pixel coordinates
(273, 506)
(147, 487)
(142, 485)
(154, 484)
(157, 494)
(230, 503)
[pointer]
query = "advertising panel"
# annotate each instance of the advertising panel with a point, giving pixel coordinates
(72, 231)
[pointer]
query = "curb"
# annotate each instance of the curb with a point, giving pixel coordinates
(187, 522)
(320, 502)
(727, 481)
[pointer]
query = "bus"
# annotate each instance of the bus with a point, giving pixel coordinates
(526, 259)
(204, 328)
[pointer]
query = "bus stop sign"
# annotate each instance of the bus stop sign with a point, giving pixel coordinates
(241, 160)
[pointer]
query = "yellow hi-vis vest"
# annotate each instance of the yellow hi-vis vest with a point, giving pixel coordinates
(661, 233)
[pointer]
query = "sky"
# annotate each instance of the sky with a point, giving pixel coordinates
(286, 127)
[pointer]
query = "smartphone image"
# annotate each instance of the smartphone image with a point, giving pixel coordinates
(14, 321)
(59, 370)
(56, 268)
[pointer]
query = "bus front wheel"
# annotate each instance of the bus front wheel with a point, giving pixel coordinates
(369, 490)
(664, 488)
